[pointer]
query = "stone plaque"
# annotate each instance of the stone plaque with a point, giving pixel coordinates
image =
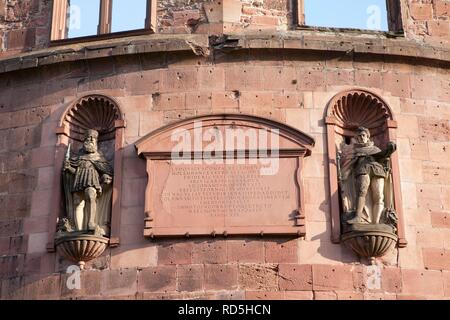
(201, 184)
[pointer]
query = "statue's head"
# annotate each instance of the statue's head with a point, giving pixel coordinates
(90, 141)
(362, 135)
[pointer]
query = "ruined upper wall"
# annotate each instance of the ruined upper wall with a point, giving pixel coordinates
(25, 24)
(427, 20)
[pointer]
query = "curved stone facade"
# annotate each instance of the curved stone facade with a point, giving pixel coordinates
(281, 74)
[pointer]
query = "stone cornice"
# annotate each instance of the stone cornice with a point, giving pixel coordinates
(202, 44)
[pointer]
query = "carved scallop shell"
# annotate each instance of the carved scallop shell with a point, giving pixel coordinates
(358, 108)
(93, 112)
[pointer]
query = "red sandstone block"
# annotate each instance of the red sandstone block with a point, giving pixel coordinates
(430, 197)
(310, 80)
(265, 295)
(412, 106)
(440, 219)
(21, 38)
(137, 256)
(419, 149)
(221, 277)
(295, 277)
(133, 192)
(225, 100)
(145, 82)
(266, 20)
(169, 101)
(411, 170)
(439, 28)
(119, 282)
(439, 151)
(420, 11)
(340, 78)
(281, 251)
(368, 78)
(435, 173)
(441, 8)
(298, 295)
(349, 295)
(173, 116)
(245, 251)
(132, 234)
(427, 283)
(213, 251)
(244, 78)
(10, 228)
(288, 100)
(43, 157)
(446, 275)
(178, 80)
(256, 100)
(157, 279)
(436, 259)
(150, 121)
(429, 238)
(90, 284)
(261, 277)
(435, 130)
(326, 277)
(4, 246)
(190, 278)
(38, 288)
(379, 296)
(325, 295)
(198, 100)
(391, 280)
(398, 84)
(279, 78)
(211, 78)
(134, 168)
(41, 203)
(12, 289)
(426, 87)
(132, 216)
(175, 253)
(227, 295)
(299, 118)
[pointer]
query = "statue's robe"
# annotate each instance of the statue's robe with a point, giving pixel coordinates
(358, 159)
(90, 167)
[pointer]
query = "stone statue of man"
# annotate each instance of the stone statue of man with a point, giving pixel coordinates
(370, 174)
(86, 176)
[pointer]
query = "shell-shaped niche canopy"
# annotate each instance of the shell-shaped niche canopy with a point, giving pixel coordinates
(358, 108)
(92, 112)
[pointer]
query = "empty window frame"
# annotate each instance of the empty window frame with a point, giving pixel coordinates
(74, 19)
(379, 15)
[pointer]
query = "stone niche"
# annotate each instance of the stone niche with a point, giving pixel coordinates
(86, 207)
(365, 195)
(221, 175)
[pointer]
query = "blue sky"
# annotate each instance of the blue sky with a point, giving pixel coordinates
(347, 14)
(324, 13)
(127, 15)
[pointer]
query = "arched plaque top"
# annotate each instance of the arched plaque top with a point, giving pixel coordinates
(229, 125)
(354, 108)
(96, 112)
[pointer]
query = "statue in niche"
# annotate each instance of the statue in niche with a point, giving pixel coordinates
(365, 182)
(87, 181)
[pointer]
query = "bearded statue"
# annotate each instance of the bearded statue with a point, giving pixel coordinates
(87, 180)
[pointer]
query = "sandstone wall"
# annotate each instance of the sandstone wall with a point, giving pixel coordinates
(288, 86)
